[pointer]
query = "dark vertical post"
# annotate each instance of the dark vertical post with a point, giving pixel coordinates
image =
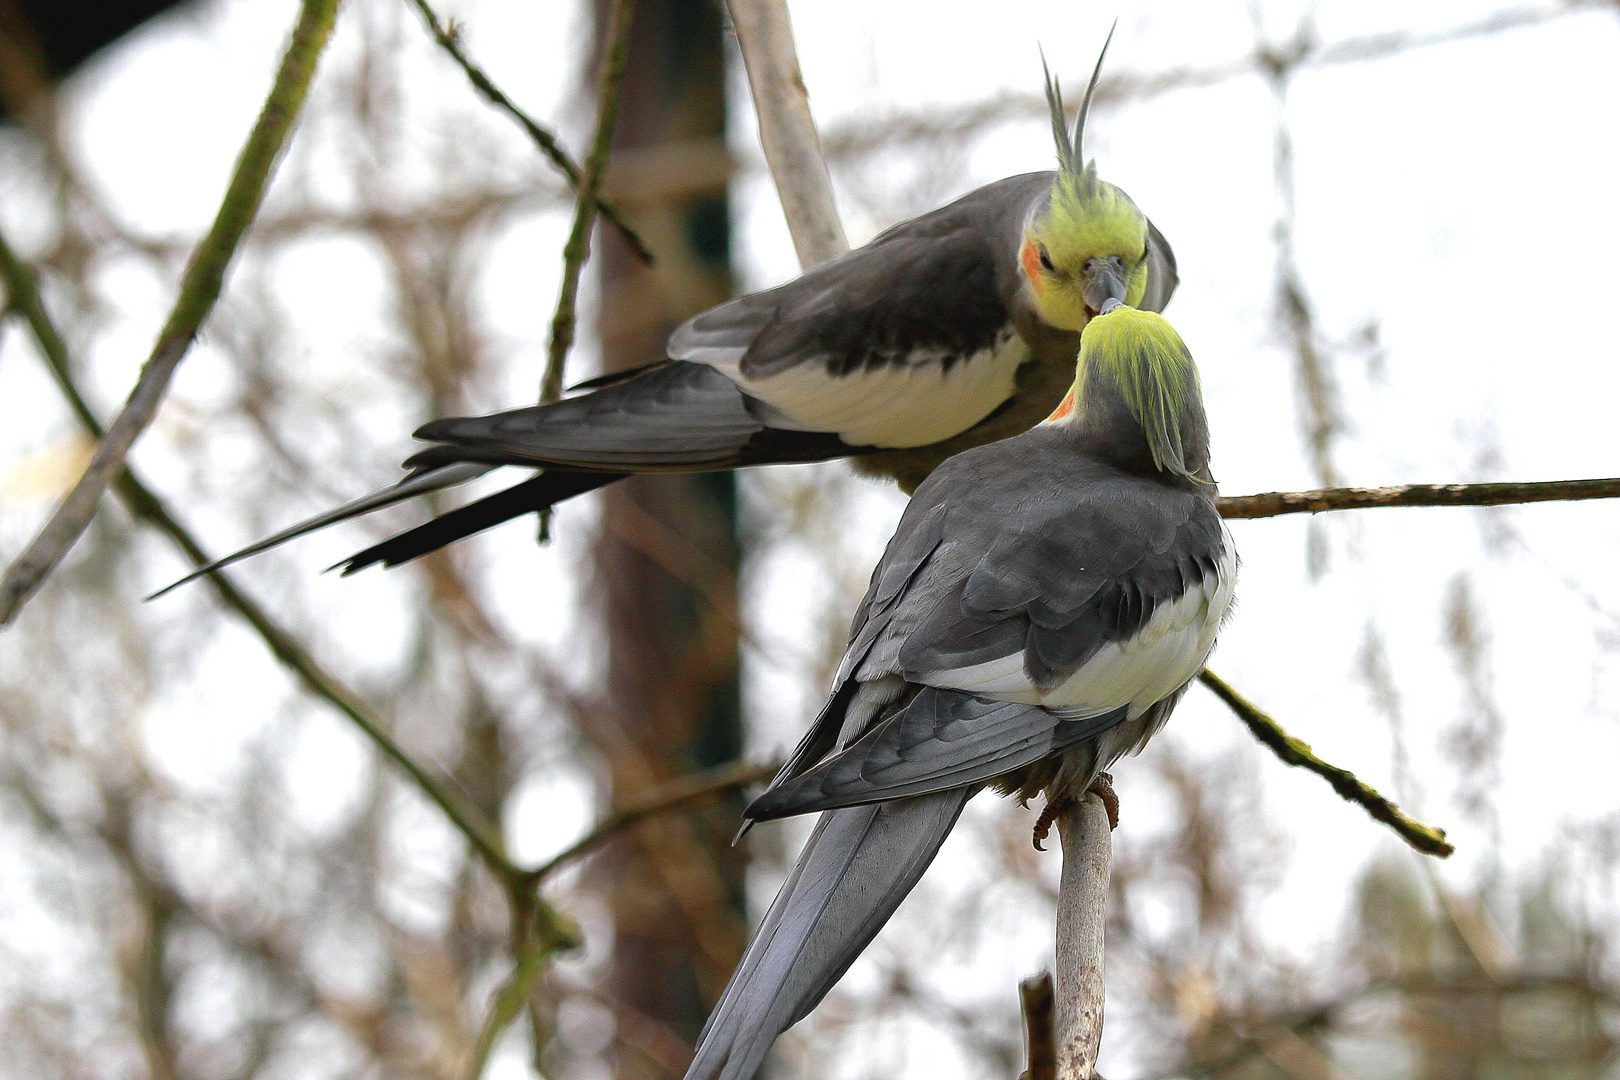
(667, 557)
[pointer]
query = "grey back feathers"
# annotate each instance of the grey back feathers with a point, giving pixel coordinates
(935, 288)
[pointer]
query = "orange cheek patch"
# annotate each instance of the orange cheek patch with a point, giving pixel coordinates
(1065, 407)
(1032, 264)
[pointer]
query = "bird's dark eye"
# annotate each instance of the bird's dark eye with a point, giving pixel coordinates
(1046, 261)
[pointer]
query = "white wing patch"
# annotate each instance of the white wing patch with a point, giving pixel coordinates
(910, 403)
(1138, 671)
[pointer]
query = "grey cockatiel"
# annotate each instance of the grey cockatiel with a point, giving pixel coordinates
(948, 331)
(1038, 613)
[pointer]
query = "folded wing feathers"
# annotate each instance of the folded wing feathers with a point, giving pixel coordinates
(941, 740)
(673, 415)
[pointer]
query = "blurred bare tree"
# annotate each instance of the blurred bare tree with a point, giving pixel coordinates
(179, 899)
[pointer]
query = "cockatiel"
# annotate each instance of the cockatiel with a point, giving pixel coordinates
(948, 331)
(1038, 613)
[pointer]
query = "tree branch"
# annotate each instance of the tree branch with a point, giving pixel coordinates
(142, 503)
(787, 130)
(503, 1008)
(578, 247)
(962, 122)
(1425, 838)
(1278, 503)
(676, 793)
(200, 286)
(448, 37)
(1082, 908)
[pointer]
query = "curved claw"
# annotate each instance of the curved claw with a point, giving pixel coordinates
(1043, 824)
(1102, 787)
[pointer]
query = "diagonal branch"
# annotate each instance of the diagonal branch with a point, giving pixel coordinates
(200, 286)
(448, 38)
(1425, 838)
(669, 796)
(787, 131)
(578, 247)
(1278, 503)
(24, 296)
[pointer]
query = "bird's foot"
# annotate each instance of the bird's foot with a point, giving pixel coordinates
(1102, 787)
(1049, 813)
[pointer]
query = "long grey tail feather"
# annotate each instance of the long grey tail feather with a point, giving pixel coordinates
(410, 487)
(858, 865)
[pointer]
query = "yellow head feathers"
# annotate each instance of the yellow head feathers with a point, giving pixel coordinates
(1138, 356)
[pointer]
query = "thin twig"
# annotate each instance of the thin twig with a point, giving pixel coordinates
(961, 123)
(578, 247)
(24, 296)
(1278, 503)
(674, 794)
(503, 1008)
(1425, 838)
(200, 286)
(787, 131)
(1314, 1017)
(448, 37)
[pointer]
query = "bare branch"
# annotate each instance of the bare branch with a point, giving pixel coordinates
(962, 122)
(578, 247)
(1278, 503)
(787, 130)
(145, 505)
(1425, 838)
(1253, 1041)
(200, 286)
(1082, 909)
(449, 40)
(669, 796)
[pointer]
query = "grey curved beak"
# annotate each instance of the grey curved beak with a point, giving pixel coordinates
(1103, 280)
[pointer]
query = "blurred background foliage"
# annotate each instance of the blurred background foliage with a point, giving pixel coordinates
(205, 873)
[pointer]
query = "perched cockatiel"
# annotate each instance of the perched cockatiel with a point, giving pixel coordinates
(1038, 613)
(948, 331)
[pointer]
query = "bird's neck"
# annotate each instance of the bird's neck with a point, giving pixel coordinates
(1138, 423)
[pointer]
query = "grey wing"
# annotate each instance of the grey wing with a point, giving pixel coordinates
(909, 550)
(933, 287)
(675, 417)
(1055, 582)
(941, 740)
(1162, 278)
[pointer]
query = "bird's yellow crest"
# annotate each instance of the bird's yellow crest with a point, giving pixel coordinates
(1086, 222)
